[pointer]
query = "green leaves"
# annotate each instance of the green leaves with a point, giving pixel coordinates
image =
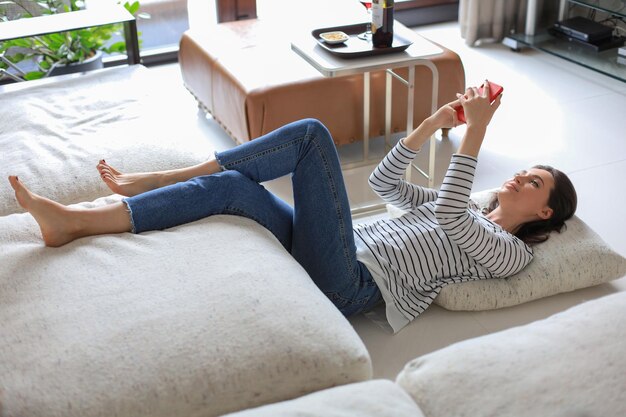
(117, 47)
(34, 75)
(133, 8)
(62, 48)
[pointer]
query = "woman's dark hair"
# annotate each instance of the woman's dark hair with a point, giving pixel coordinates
(562, 201)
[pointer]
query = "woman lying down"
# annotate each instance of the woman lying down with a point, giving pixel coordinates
(404, 261)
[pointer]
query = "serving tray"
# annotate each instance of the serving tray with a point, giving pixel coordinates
(355, 47)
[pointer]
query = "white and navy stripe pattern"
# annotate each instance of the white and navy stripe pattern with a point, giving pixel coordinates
(440, 240)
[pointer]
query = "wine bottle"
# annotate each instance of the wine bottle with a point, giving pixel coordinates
(382, 23)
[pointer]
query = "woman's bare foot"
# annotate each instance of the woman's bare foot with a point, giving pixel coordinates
(54, 219)
(129, 184)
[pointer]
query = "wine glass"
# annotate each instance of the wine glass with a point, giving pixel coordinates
(367, 35)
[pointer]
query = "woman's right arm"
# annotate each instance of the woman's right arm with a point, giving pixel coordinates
(386, 180)
(388, 184)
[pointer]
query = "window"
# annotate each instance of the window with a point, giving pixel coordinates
(161, 32)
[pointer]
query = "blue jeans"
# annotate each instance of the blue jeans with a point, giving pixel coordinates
(317, 231)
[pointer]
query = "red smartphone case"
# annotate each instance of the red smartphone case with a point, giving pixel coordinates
(494, 91)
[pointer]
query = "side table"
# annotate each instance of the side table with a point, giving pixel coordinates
(330, 65)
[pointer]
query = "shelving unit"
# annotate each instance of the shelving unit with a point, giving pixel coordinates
(604, 62)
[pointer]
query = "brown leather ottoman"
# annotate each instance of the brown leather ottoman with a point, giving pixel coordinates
(246, 76)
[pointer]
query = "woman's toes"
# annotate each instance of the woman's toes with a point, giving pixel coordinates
(114, 171)
(22, 194)
(14, 181)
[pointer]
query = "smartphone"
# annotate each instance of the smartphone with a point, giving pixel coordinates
(494, 91)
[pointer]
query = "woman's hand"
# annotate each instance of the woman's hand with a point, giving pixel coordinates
(478, 110)
(445, 117)
(478, 113)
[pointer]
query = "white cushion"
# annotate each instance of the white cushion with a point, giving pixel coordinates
(52, 134)
(202, 319)
(570, 364)
(374, 398)
(576, 258)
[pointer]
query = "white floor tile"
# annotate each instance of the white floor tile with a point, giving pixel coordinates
(601, 201)
(434, 329)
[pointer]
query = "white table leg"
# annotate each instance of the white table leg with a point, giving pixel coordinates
(433, 108)
(409, 111)
(410, 84)
(388, 102)
(366, 116)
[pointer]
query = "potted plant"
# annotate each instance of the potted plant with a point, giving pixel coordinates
(41, 56)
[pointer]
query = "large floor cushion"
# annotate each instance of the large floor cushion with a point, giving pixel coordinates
(199, 320)
(245, 74)
(375, 398)
(570, 364)
(53, 132)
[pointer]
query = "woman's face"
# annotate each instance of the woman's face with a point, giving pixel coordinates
(527, 194)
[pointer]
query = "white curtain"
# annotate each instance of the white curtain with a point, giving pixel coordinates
(490, 20)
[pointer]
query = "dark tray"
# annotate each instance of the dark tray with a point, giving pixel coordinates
(355, 47)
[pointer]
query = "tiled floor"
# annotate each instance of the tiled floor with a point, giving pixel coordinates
(552, 112)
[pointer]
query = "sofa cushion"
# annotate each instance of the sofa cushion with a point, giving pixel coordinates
(56, 131)
(374, 398)
(570, 364)
(202, 319)
(575, 258)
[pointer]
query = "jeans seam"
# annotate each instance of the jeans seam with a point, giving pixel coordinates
(350, 301)
(338, 209)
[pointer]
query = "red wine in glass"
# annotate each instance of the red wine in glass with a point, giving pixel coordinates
(367, 35)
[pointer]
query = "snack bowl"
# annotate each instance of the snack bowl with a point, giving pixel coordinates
(334, 37)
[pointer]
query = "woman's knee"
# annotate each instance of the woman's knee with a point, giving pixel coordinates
(318, 131)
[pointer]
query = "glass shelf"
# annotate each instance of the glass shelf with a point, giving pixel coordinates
(605, 62)
(615, 7)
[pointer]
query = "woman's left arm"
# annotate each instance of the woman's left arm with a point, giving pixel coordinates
(498, 251)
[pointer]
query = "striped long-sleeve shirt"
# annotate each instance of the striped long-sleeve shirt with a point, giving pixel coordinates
(439, 241)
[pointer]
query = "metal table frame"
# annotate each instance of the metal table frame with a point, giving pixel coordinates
(417, 54)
